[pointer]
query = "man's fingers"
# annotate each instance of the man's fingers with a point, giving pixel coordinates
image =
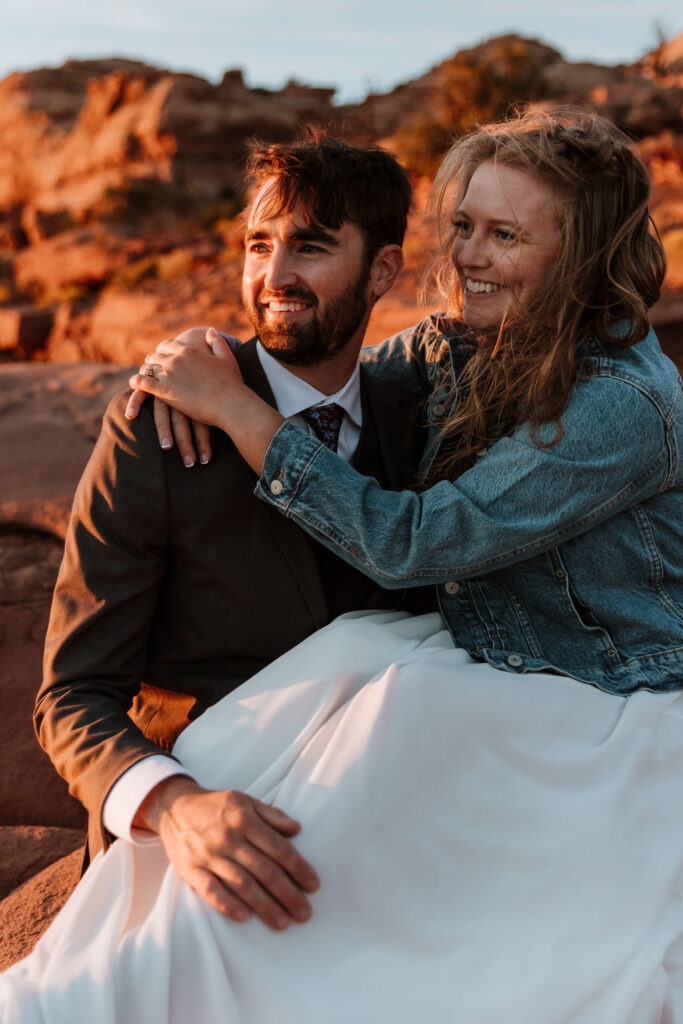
(240, 880)
(212, 889)
(183, 437)
(275, 883)
(281, 852)
(276, 818)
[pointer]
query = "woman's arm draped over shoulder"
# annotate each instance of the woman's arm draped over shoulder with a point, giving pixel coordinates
(518, 500)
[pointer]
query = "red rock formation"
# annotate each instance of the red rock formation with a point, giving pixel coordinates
(73, 134)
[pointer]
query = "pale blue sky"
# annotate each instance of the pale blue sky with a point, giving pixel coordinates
(355, 45)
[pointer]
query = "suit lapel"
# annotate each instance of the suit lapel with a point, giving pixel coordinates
(391, 416)
(298, 549)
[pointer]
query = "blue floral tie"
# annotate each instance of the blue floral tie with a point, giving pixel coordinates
(326, 421)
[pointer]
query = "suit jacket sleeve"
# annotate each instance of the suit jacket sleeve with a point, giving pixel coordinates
(104, 602)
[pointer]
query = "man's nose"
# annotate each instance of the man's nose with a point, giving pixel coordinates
(280, 272)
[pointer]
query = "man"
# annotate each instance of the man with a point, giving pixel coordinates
(177, 587)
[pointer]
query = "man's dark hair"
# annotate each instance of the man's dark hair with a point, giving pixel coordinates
(334, 182)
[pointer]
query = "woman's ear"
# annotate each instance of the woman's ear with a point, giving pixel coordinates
(385, 269)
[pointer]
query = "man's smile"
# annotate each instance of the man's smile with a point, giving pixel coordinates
(286, 307)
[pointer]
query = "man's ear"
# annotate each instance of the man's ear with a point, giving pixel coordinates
(385, 268)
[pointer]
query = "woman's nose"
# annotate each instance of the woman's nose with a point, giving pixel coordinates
(469, 252)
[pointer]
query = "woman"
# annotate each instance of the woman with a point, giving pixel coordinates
(495, 805)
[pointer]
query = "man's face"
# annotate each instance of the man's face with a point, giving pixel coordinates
(305, 288)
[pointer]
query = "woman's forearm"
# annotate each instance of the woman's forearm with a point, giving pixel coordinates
(251, 424)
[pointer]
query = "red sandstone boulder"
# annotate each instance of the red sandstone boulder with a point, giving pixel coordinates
(27, 911)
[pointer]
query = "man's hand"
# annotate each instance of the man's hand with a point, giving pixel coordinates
(232, 850)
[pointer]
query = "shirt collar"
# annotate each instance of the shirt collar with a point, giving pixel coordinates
(292, 395)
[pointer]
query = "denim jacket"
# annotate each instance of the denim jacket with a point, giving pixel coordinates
(564, 559)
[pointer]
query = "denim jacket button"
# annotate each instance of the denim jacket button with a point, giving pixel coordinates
(276, 487)
(452, 587)
(514, 660)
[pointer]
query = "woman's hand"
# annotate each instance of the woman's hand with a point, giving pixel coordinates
(210, 390)
(171, 424)
(189, 379)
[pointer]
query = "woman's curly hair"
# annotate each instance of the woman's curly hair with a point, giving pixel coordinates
(609, 268)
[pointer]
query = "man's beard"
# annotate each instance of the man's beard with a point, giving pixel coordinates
(322, 336)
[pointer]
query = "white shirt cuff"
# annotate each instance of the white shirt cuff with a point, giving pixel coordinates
(127, 794)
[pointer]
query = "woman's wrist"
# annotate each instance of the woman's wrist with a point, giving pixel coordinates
(250, 422)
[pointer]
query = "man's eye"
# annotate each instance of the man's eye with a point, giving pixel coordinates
(310, 247)
(257, 248)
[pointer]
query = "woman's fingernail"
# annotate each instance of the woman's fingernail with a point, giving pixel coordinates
(203, 459)
(165, 442)
(213, 332)
(188, 462)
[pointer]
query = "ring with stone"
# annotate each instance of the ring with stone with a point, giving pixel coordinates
(148, 370)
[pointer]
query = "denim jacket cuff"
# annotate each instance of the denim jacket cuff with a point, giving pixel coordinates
(287, 460)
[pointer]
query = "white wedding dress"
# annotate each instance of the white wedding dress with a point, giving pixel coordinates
(493, 849)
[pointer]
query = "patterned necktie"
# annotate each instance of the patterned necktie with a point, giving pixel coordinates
(326, 421)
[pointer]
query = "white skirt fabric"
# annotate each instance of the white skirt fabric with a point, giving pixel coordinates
(492, 847)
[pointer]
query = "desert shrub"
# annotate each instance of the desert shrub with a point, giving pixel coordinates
(155, 267)
(177, 263)
(215, 215)
(139, 199)
(469, 89)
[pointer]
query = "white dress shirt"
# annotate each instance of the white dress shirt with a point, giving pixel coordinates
(292, 396)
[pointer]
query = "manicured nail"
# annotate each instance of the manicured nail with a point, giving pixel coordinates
(166, 442)
(204, 459)
(213, 332)
(129, 416)
(281, 921)
(188, 462)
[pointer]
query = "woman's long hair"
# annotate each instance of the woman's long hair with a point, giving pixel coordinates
(609, 268)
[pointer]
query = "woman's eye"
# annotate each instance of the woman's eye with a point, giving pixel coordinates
(506, 236)
(463, 228)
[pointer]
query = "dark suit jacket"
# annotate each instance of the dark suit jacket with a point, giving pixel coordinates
(183, 579)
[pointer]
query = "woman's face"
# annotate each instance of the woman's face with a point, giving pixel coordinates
(505, 234)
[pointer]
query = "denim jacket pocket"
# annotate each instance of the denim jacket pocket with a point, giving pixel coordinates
(580, 614)
(658, 575)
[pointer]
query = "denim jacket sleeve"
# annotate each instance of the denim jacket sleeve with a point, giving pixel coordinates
(520, 498)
